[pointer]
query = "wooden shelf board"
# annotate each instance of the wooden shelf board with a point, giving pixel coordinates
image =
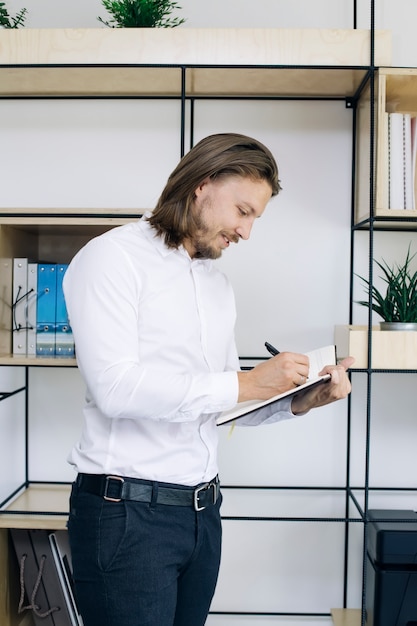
(346, 617)
(157, 82)
(162, 53)
(37, 500)
(41, 212)
(201, 46)
(16, 359)
(398, 214)
(47, 225)
(397, 218)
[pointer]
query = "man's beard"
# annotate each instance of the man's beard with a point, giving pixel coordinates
(204, 250)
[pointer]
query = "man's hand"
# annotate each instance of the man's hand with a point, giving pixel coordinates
(335, 389)
(285, 371)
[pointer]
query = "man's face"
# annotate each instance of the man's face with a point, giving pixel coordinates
(225, 210)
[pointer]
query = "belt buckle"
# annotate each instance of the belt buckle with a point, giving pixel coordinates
(205, 487)
(106, 488)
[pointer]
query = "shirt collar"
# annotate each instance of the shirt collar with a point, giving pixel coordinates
(163, 249)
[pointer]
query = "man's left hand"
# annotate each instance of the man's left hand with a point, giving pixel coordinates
(337, 388)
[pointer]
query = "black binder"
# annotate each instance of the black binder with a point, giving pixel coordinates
(391, 591)
(46, 597)
(62, 554)
(29, 579)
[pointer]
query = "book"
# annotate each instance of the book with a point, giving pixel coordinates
(62, 554)
(33, 595)
(401, 158)
(318, 359)
(51, 579)
(20, 288)
(31, 307)
(6, 296)
(64, 339)
(39, 314)
(45, 571)
(46, 310)
(413, 159)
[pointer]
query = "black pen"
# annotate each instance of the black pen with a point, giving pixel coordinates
(271, 349)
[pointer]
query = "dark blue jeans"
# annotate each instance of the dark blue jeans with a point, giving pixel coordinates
(138, 564)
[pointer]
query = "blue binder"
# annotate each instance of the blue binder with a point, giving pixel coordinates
(32, 301)
(46, 310)
(64, 340)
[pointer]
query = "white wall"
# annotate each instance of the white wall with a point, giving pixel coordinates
(291, 281)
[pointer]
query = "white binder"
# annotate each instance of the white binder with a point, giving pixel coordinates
(19, 304)
(31, 307)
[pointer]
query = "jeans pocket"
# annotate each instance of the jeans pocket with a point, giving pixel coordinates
(111, 533)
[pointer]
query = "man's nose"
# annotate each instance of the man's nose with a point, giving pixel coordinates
(244, 230)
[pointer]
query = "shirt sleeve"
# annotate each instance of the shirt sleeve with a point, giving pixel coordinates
(102, 292)
(269, 414)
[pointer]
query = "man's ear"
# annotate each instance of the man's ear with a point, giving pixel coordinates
(202, 187)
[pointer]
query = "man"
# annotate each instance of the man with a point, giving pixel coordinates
(153, 321)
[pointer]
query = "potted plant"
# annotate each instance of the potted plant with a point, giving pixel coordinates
(141, 14)
(6, 21)
(398, 306)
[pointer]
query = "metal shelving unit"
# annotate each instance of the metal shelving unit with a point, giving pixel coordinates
(64, 66)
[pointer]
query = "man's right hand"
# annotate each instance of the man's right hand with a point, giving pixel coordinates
(285, 371)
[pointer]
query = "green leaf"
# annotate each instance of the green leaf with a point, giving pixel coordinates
(11, 22)
(399, 303)
(141, 14)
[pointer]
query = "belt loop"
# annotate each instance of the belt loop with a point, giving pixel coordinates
(154, 498)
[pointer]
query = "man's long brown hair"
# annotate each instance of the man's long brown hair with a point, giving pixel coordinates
(225, 154)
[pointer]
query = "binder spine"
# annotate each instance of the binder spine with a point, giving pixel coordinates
(45, 592)
(46, 310)
(64, 340)
(19, 304)
(33, 596)
(401, 160)
(6, 301)
(53, 588)
(32, 307)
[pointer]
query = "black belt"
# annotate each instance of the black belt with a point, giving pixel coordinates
(118, 488)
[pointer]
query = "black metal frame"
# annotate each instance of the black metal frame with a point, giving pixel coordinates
(371, 225)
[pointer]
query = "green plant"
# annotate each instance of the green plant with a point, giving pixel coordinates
(141, 14)
(11, 22)
(399, 304)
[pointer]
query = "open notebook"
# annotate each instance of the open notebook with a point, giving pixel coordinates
(318, 359)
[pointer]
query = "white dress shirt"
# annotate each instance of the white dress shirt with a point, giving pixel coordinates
(154, 336)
